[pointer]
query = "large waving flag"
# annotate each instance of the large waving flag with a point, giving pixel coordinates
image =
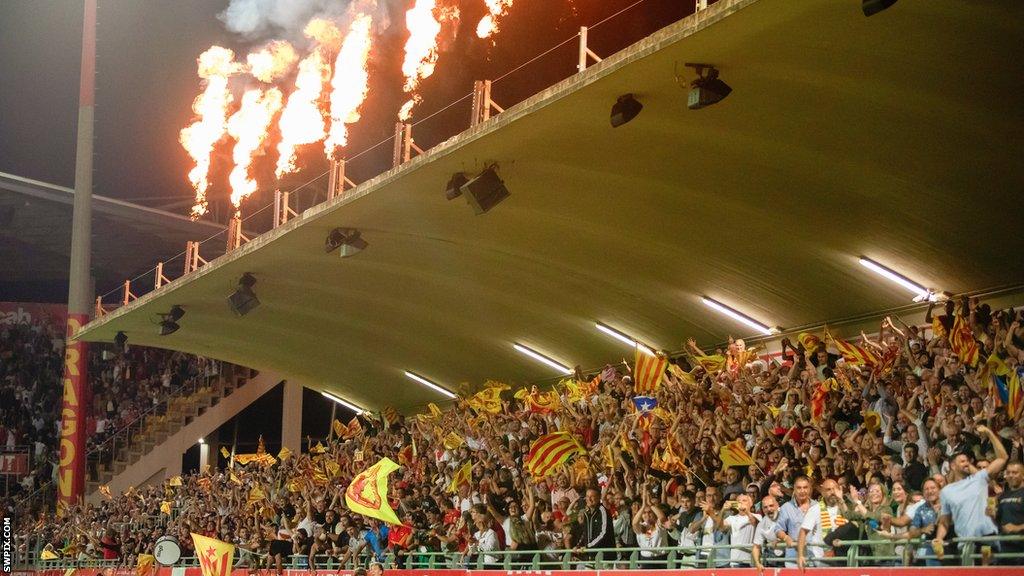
(648, 371)
(853, 353)
(464, 475)
(540, 402)
(487, 400)
(368, 492)
(551, 451)
(1015, 400)
(215, 557)
(645, 404)
(961, 340)
(734, 454)
(712, 364)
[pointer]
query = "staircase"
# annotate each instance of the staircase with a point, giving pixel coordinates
(154, 452)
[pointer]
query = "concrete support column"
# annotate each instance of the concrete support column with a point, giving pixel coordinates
(291, 417)
(204, 457)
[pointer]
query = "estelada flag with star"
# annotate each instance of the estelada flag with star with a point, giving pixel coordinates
(215, 557)
(368, 492)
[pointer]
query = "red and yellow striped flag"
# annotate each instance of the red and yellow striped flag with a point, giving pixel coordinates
(853, 353)
(648, 371)
(551, 451)
(734, 454)
(1016, 395)
(961, 340)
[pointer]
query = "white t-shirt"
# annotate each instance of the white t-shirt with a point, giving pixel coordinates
(486, 541)
(655, 539)
(741, 531)
(815, 535)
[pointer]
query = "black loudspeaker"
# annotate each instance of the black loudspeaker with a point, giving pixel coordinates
(485, 191)
(872, 7)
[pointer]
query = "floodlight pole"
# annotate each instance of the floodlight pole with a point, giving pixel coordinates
(71, 472)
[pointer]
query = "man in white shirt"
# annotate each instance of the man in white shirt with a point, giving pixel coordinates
(820, 521)
(741, 531)
(765, 535)
(486, 540)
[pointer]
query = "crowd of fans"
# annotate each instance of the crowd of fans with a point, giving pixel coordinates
(123, 388)
(905, 440)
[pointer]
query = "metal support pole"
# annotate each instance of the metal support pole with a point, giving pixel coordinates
(127, 296)
(397, 153)
(338, 179)
(701, 5)
(404, 144)
(71, 472)
(235, 236)
(585, 53)
(482, 103)
(282, 210)
(159, 279)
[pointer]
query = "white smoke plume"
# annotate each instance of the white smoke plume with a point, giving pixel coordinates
(262, 19)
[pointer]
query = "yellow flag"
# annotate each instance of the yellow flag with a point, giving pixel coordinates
(453, 441)
(145, 565)
(48, 555)
(872, 420)
(233, 478)
(175, 481)
(224, 452)
(682, 375)
(166, 506)
(284, 454)
(339, 428)
(464, 475)
(487, 400)
(368, 492)
(435, 412)
(318, 449)
(734, 454)
(712, 363)
(105, 492)
(257, 494)
(215, 557)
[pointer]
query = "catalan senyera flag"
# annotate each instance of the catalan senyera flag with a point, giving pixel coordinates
(368, 492)
(1015, 401)
(712, 364)
(961, 340)
(818, 401)
(550, 451)
(354, 427)
(682, 375)
(215, 557)
(390, 416)
(464, 475)
(734, 454)
(853, 353)
(648, 371)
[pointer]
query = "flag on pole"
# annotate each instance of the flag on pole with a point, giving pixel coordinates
(368, 492)
(853, 353)
(645, 404)
(818, 401)
(1015, 401)
(648, 371)
(550, 451)
(215, 557)
(734, 454)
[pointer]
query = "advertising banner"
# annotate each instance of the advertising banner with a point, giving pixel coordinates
(71, 471)
(14, 463)
(32, 313)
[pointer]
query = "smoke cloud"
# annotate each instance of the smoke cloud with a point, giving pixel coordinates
(266, 18)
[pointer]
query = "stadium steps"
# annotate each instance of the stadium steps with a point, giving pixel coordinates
(164, 439)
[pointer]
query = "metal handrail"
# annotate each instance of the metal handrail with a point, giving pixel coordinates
(671, 557)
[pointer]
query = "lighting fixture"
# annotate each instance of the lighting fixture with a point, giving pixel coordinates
(202, 441)
(121, 342)
(920, 292)
(625, 109)
(433, 386)
(624, 338)
(169, 325)
(738, 316)
(707, 89)
(872, 7)
(454, 187)
(485, 191)
(344, 403)
(244, 300)
(543, 359)
(348, 242)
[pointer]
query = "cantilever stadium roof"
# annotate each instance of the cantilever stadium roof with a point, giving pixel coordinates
(896, 137)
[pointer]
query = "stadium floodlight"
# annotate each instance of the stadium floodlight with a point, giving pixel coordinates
(625, 109)
(485, 191)
(348, 242)
(920, 292)
(707, 89)
(543, 359)
(454, 187)
(625, 339)
(244, 299)
(344, 403)
(872, 7)
(432, 385)
(121, 342)
(202, 441)
(738, 316)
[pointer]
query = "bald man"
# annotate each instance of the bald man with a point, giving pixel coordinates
(819, 521)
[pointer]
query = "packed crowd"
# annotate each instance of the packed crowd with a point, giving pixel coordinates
(123, 388)
(904, 440)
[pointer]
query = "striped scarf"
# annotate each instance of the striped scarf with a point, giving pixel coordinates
(826, 519)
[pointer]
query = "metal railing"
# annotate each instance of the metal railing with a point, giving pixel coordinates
(963, 552)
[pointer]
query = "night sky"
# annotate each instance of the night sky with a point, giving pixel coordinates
(146, 82)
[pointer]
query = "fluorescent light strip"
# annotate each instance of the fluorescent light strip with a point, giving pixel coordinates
(430, 384)
(344, 403)
(543, 359)
(738, 316)
(918, 290)
(624, 339)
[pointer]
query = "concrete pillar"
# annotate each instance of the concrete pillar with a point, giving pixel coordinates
(204, 457)
(291, 417)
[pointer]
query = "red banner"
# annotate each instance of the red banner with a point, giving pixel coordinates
(15, 463)
(32, 313)
(71, 474)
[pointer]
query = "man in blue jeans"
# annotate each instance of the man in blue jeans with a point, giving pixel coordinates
(965, 499)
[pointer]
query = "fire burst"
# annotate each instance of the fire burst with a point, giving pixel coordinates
(302, 122)
(249, 127)
(350, 83)
(420, 49)
(199, 138)
(272, 62)
(489, 23)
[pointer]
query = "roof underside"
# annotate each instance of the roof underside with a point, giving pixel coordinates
(895, 137)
